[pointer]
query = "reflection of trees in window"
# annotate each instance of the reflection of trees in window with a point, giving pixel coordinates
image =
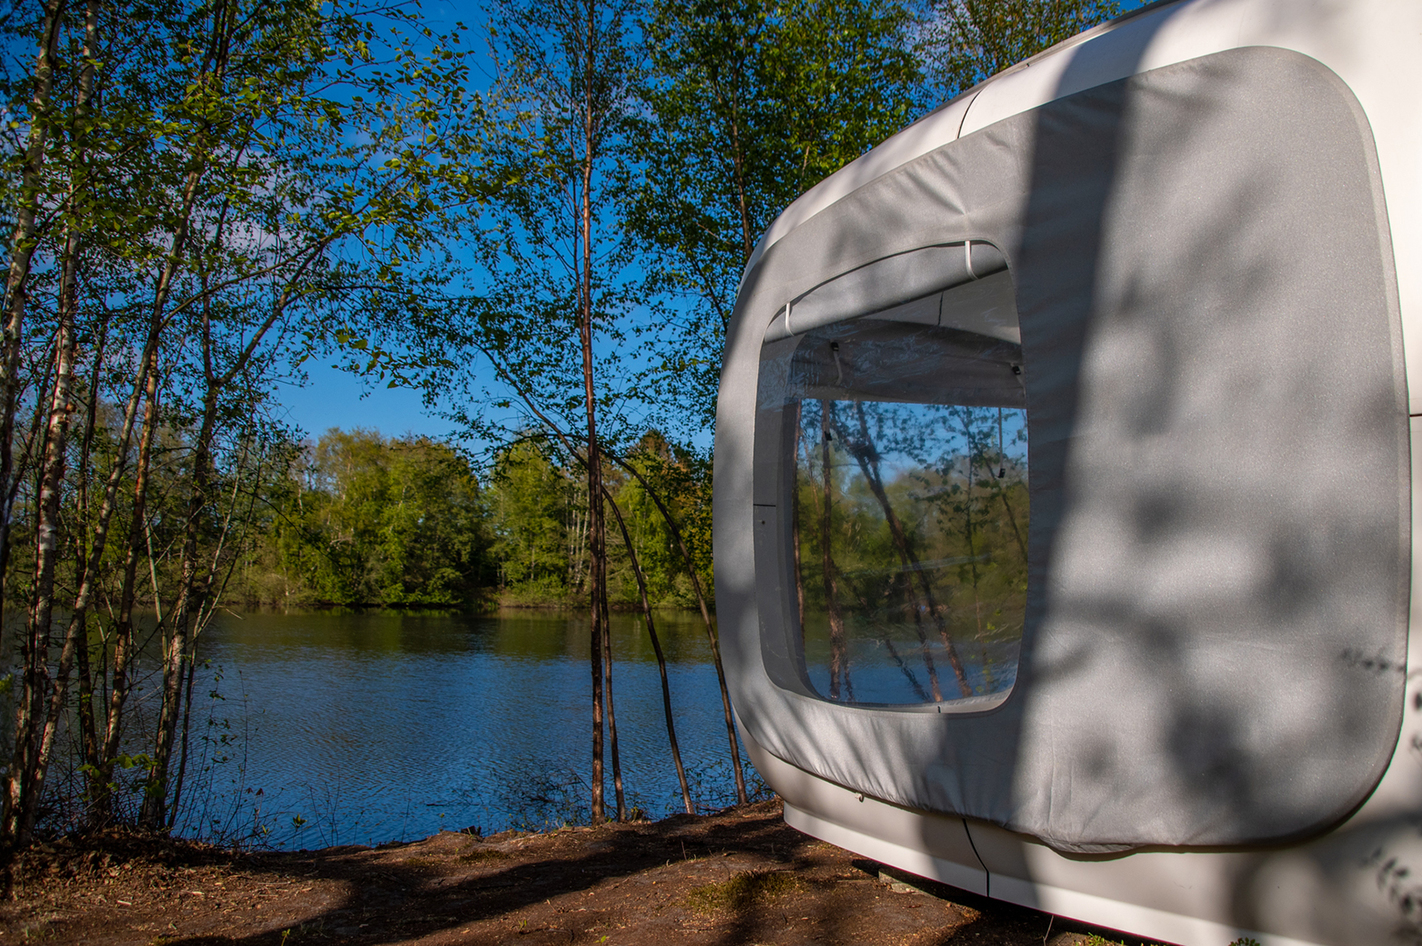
(830, 547)
(920, 519)
(915, 576)
(839, 658)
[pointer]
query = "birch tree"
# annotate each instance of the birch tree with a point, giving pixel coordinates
(204, 192)
(566, 73)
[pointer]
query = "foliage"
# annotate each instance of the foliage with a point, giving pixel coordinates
(975, 39)
(538, 514)
(203, 194)
(749, 104)
(396, 522)
(681, 479)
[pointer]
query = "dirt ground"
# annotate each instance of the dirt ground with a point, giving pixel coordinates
(741, 877)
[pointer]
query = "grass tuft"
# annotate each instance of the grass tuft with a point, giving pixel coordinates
(742, 890)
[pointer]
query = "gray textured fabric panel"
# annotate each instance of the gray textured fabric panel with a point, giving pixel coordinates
(938, 365)
(1219, 465)
(886, 283)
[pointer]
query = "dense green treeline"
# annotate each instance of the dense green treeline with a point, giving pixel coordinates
(368, 521)
(361, 520)
(538, 222)
(538, 514)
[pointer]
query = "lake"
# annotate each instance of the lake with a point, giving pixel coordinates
(359, 728)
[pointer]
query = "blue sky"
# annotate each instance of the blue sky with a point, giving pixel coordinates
(335, 398)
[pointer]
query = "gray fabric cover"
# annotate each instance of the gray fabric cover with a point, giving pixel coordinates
(1219, 467)
(885, 283)
(939, 365)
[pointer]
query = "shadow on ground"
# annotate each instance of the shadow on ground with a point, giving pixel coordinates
(741, 877)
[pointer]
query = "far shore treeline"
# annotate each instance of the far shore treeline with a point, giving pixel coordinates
(363, 520)
(537, 221)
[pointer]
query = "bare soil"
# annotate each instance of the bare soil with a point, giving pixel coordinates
(740, 877)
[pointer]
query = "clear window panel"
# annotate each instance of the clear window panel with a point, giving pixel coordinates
(910, 546)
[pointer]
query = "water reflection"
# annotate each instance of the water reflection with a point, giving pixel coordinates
(373, 727)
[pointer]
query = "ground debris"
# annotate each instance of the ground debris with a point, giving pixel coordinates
(738, 877)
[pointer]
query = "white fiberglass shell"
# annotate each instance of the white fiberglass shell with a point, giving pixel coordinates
(1211, 733)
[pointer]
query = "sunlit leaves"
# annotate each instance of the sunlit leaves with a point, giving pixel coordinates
(974, 39)
(383, 521)
(749, 104)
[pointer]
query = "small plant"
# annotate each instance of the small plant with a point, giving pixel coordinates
(301, 932)
(1245, 941)
(547, 799)
(742, 890)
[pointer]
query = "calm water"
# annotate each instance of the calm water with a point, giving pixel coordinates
(362, 728)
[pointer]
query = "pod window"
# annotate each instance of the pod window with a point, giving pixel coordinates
(904, 469)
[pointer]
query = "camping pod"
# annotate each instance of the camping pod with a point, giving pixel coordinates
(1064, 482)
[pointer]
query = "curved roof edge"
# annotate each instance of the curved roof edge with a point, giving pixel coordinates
(1160, 34)
(940, 126)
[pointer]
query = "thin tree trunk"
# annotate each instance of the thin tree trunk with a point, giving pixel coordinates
(968, 520)
(36, 727)
(88, 726)
(895, 656)
(76, 639)
(207, 605)
(22, 248)
(866, 454)
(742, 205)
(611, 708)
(656, 649)
(153, 813)
(35, 645)
(102, 799)
(177, 798)
(23, 778)
(33, 442)
(1001, 491)
(741, 796)
(795, 529)
(1012, 520)
(90, 571)
(597, 534)
(597, 575)
(686, 558)
(839, 658)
